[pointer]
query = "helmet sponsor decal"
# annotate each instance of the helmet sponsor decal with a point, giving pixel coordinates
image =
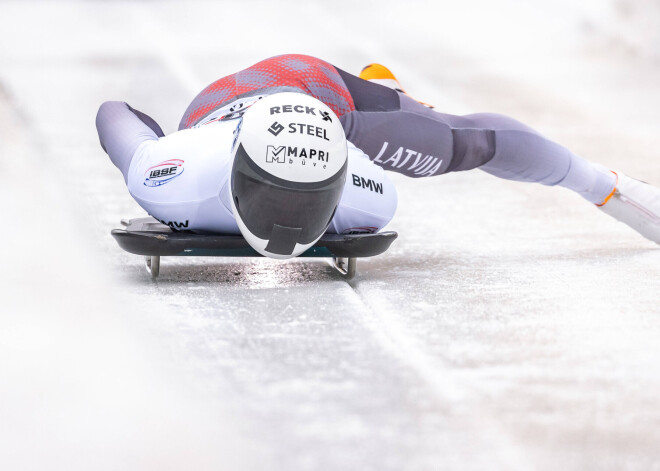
(296, 155)
(275, 129)
(325, 115)
(276, 154)
(163, 172)
(300, 128)
(292, 109)
(295, 137)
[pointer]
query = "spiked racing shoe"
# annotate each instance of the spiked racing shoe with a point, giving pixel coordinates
(378, 73)
(636, 204)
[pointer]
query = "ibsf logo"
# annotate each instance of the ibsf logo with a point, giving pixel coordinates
(275, 154)
(163, 173)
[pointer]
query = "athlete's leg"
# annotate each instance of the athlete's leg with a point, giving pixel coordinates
(405, 136)
(500, 146)
(518, 152)
(522, 154)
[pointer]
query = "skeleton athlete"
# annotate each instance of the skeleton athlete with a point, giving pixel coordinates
(293, 146)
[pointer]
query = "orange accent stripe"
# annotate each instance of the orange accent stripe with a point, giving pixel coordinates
(613, 191)
(378, 72)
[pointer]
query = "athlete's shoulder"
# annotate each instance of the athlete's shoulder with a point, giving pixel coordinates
(197, 153)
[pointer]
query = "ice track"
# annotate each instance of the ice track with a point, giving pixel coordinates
(510, 327)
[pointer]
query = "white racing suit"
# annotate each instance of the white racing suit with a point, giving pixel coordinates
(183, 179)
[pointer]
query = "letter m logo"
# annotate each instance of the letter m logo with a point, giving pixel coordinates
(275, 154)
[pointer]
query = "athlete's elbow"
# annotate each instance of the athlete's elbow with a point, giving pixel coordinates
(108, 110)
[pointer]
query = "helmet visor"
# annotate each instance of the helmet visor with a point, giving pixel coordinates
(281, 211)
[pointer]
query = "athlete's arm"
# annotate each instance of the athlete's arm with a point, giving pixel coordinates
(121, 131)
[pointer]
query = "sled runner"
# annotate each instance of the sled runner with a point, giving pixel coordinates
(148, 237)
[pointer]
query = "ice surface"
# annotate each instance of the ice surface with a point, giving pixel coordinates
(511, 326)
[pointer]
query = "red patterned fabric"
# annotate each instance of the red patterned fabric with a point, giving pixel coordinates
(309, 74)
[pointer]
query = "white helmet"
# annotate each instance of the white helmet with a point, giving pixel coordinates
(288, 173)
